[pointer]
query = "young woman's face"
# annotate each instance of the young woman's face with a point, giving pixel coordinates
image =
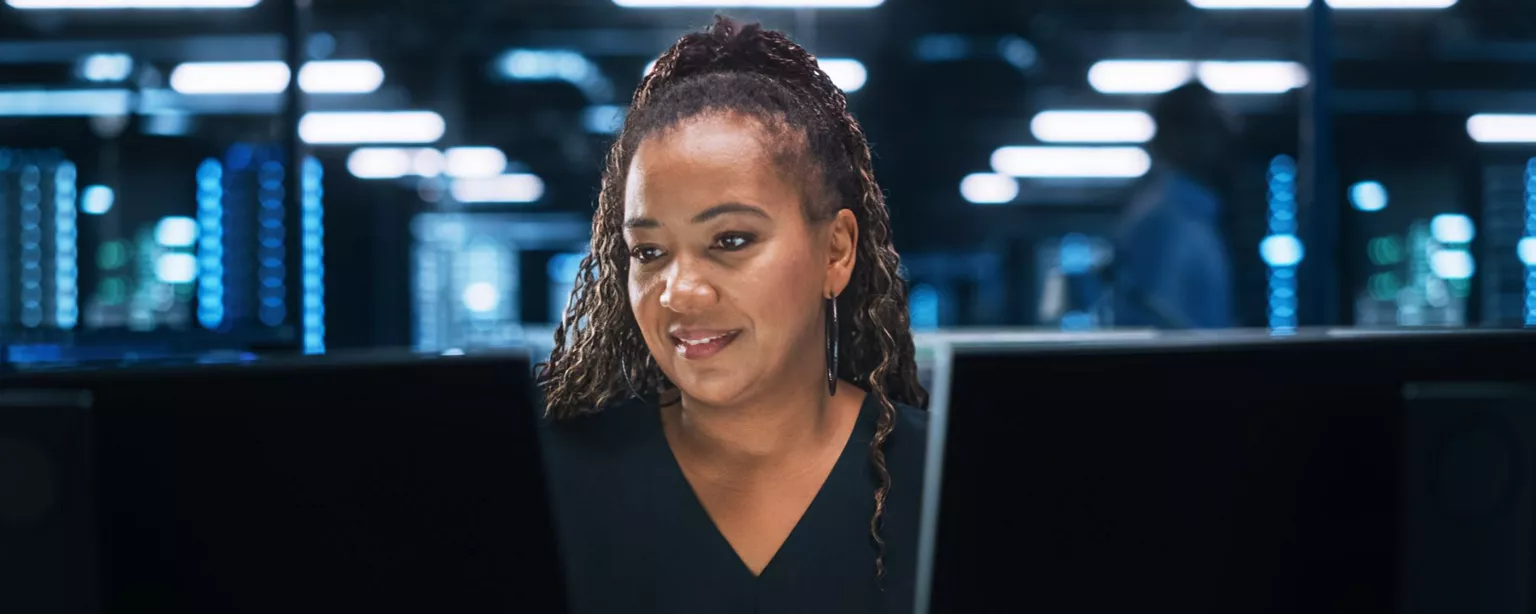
(726, 276)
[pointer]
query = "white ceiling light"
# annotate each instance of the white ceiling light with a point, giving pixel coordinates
(379, 163)
(427, 162)
(106, 67)
(1249, 4)
(989, 188)
(130, 4)
(1093, 127)
(1502, 128)
(366, 127)
(764, 4)
(341, 77)
(847, 74)
(508, 188)
(1252, 77)
(1139, 76)
(1224, 77)
(1337, 4)
(1072, 162)
(230, 77)
(1391, 4)
(320, 77)
(475, 162)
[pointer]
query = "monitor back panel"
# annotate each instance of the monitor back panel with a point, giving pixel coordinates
(321, 485)
(1254, 478)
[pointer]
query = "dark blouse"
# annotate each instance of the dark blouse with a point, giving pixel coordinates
(635, 538)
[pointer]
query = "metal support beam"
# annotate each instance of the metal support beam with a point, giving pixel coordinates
(296, 34)
(1319, 284)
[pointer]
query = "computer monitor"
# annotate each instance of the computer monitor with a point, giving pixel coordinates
(1318, 472)
(362, 484)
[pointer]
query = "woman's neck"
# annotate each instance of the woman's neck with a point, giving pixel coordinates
(767, 438)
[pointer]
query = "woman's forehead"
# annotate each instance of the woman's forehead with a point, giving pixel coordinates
(704, 163)
(716, 135)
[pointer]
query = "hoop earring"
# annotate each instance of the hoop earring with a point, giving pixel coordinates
(624, 365)
(832, 346)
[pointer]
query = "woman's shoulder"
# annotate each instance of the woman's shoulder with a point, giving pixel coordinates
(612, 427)
(911, 419)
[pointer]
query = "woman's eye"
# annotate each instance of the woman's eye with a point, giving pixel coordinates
(733, 241)
(645, 253)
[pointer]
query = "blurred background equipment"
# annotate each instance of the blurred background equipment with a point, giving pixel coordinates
(187, 176)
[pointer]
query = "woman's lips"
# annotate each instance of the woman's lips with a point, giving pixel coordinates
(701, 345)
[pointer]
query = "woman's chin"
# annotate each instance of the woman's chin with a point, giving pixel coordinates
(713, 391)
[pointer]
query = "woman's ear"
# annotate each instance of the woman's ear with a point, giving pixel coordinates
(843, 251)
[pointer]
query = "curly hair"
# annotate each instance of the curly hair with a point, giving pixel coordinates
(599, 357)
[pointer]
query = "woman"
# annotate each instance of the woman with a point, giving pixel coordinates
(732, 389)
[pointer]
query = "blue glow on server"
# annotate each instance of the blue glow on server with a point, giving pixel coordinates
(210, 245)
(314, 256)
(1281, 250)
(31, 246)
(66, 254)
(1527, 249)
(271, 288)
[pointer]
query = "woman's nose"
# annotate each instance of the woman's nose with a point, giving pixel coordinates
(687, 291)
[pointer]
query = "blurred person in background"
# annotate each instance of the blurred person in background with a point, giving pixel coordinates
(733, 391)
(1172, 268)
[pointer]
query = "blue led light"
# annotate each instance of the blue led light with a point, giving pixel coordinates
(1368, 196)
(96, 200)
(106, 67)
(428, 287)
(1075, 254)
(1076, 321)
(923, 304)
(176, 231)
(1281, 250)
(31, 247)
(1452, 264)
(313, 226)
(210, 244)
(270, 243)
(562, 270)
(603, 119)
(239, 156)
(557, 65)
(176, 268)
(66, 255)
(941, 47)
(1452, 228)
(1527, 246)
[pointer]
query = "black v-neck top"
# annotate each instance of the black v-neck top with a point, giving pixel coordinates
(635, 538)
